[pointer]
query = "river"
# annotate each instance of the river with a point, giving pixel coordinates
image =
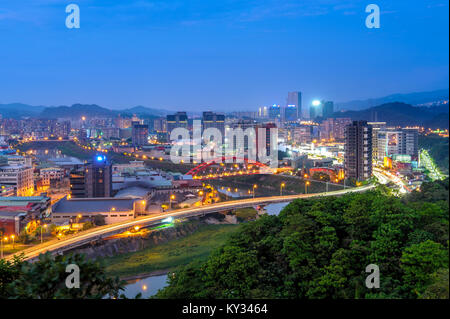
(149, 286)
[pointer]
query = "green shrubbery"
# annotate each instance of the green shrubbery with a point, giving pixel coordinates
(319, 248)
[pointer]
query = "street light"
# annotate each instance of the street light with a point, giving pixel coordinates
(254, 187)
(306, 187)
(281, 188)
(13, 237)
(45, 225)
(172, 197)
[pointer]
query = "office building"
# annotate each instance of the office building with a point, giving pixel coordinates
(316, 109)
(376, 127)
(18, 176)
(93, 180)
(139, 134)
(263, 112)
(392, 141)
(293, 110)
(328, 109)
(275, 112)
(214, 120)
(160, 125)
(179, 119)
(358, 151)
(98, 177)
(77, 184)
(267, 142)
(334, 129)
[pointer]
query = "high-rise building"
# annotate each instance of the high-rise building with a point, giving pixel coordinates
(211, 119)
(93, 180)
(77, 184)
(275, 112)
(376, 127)
(392, 141)
(334, 129)
(264, 128)
(139, 134)
(160, 125)
(98, 177)
(263, 112)
(328, 109)
(316, 109)
(179, 119)
(293, 110)
(358, 151)
(63, 129)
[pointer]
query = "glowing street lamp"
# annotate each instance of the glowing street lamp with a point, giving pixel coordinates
(13, 237)
(254, 187)
(172, 197)
(281, 188)
(306, 187)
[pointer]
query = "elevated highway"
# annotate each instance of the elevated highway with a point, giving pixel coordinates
(73, 241)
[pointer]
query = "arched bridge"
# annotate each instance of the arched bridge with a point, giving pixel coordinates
(228, 166)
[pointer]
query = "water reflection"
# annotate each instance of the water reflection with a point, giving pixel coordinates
(275, 209)
(147, 286)
(44, 154)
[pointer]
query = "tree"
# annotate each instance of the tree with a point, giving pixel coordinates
(46, 279)
(420, 262)
(319, 248)
(9, 271)
(99, 220)
(439, 287)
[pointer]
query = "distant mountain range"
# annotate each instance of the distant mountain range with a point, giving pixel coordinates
(402, 114)
(416, 98)
(19, 110)
(395, 111)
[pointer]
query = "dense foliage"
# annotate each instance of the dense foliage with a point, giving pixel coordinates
(46, 278)
(319, 248)
(438, 149)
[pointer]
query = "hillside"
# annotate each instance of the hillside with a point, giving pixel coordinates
(19, 110)
(415, 98)
(76, 111)
(319, 249)
(402, 114)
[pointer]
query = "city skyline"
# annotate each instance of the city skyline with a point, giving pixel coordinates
(140, 53)
(231, 154)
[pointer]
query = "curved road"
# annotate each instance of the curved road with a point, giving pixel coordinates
(76, 240)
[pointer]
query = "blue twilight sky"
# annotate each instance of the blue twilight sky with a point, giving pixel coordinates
(220, 55)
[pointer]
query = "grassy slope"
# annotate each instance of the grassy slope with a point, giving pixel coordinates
(196, 246)
(438, 149)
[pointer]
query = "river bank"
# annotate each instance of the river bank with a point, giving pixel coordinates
(166, 256)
